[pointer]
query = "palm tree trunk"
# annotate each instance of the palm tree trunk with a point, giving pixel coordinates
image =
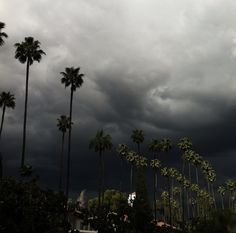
(183, 190)
(170, 209)
(131, 178)
(100, 179)
(121, 174)
(187, 197)
(197, 179)
(154, 194)
(25, 114)
(3, 114)
(69, 146)
(222, 202)
(213, 195)
(61, 162)
(1, 169)
(154, 190)
(190, 192)
(103, 178)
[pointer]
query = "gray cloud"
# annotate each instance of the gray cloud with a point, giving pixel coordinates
(166, 67)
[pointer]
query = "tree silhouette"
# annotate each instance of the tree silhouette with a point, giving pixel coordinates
(101, 143)
(27, 52)
(2, 34)
(137, 137)
(73, 79)
(63, 125)
(154, 147)
(7, 100)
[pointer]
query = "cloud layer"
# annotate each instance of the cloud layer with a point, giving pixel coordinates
(165, 67)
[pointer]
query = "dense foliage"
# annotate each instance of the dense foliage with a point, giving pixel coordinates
(26, 208)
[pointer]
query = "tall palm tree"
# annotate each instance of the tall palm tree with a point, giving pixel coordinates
(27, 51)
(2, 34)
(154, 146)
(74, 79)
(101, 143)
(7, 100)
(131, 157)
(196, 161)
(155, 164)
(137, 137)
(122, 150)
(184, 144)
(63, 124)
(231, 187)
(221, 190)
(165, 172)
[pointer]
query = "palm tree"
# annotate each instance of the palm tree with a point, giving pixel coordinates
(27, 51)
(221, 190)
(101, 143)
(131, 157)
(184, 144)
(122, 150)
(7, 100)
(165, 172)
(137, 137)
(2, 34)
(71, 77)
(63, 125)
(154, 146)
(155, 164)
(166, 145)
(196, 161)
(231, 187)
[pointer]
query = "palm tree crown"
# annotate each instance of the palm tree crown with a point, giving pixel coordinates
(2, 34)
(154, 146)
(72, 77)
(29, 50)
(166, 144)
(63, 123)
(137, 136)
(101, 141)
(7, 99)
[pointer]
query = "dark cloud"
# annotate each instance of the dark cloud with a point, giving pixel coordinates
(165, 67)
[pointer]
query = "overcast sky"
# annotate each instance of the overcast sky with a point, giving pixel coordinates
(167, 67)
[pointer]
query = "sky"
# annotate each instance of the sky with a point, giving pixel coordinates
(166, 67)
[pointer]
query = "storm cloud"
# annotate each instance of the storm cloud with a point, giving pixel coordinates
(167, 67)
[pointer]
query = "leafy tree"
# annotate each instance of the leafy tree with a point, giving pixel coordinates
(27, 52)
(63, 124)
(2, 34)
(74, 79)
(112, 200)
(25, 207)
(101, 143)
